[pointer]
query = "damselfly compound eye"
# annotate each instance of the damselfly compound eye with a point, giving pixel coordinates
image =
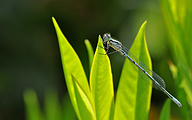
(106, 37)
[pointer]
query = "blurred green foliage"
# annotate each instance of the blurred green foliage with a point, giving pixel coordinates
(53, 108)
(178, 18)
(165, 113)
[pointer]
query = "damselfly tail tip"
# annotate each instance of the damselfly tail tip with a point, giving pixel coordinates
(177, 102)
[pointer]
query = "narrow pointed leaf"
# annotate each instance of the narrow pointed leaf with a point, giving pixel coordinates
(72, 66)
(83, 103)
(165, 112)
(33, 111)
(90, 52)
(52, 106)
(134, 94)
(101, 84)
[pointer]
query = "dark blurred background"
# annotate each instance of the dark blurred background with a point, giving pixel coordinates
(29, 53)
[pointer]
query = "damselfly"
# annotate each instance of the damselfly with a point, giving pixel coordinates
(157, 81)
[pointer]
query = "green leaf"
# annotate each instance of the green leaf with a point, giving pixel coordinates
(52, 106)
(183, 90)
(187, 91)
(33, 111)
(182, 82)
(165, 112)
(101, 84)
(90, 52)
(72, 66)
(68, 111)
(170, 10)
(178, 17)
(133, 94)
(83, 103)
(173, 69)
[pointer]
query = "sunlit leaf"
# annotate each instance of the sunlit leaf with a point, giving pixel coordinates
(101, 84)
(83, 103)
(133, 94)
(72, 66)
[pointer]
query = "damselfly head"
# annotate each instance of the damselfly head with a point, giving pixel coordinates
(106, 37)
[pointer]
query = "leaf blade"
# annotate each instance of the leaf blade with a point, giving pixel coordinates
(33, 111)
(132, 91)
(165, 112)
(90, 52)
(52, 106)
(101, 84)
(72, 66)
(84, 105)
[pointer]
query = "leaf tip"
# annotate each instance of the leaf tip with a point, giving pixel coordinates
(99, 36)
(100, 41)
(54, 22)
(86, 41)
(144, 24)
(53, 19)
